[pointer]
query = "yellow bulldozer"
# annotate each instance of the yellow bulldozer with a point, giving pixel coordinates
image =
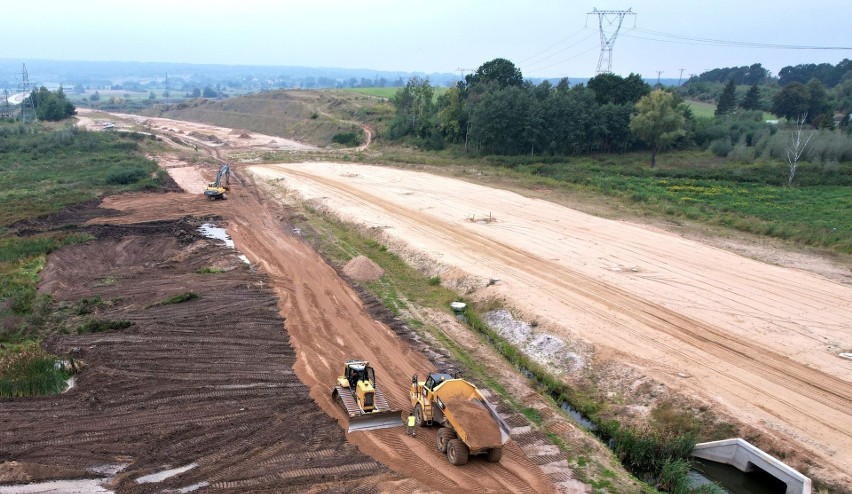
(469, 424)
(358, 394)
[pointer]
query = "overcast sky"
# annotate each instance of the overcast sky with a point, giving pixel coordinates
(545, 38)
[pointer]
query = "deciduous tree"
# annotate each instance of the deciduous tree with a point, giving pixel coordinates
(660, 121)
(793, 100)
(611, 88)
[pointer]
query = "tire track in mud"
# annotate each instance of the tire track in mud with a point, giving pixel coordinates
(196, 382)
(328, 324)
(636, 316)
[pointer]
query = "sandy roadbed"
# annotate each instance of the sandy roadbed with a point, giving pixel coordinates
(760, 340)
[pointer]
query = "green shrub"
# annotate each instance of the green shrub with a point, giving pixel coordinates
(721, 147)
(348, 139)
(97, 326)
(125, 176)
(182, 297)
(208, 270)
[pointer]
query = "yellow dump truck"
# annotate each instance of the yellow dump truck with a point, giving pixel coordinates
(469, 424)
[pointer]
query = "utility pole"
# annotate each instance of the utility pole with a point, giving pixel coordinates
(680, 78)
(659, 72)
(462, 71)
(7, 111)
(167, 94)
(27, 105)
(612, 17)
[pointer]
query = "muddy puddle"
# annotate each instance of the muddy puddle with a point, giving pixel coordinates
(165, 474)
(210, 230)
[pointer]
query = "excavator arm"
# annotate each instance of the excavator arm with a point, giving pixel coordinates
(216, 190)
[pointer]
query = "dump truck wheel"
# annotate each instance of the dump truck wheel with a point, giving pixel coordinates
(418, 416)
(457, 452)
(495, 454)
(445, 434)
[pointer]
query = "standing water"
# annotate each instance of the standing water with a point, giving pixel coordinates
(210, 230)
(733, 480)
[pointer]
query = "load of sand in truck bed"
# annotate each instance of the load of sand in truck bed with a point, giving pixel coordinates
(480, 428)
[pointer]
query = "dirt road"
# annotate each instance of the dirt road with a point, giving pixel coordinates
(759, 340)
(328, 324)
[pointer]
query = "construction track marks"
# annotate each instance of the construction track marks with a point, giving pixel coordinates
(208, 381)
(786, 390)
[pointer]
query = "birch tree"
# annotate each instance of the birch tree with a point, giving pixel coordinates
(797, 147)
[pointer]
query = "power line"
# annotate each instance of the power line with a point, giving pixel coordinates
(558, 52)
(693, 40)
(566, 59)
(551, 46)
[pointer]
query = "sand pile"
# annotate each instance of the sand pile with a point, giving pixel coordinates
(481, 428)
(362, 268)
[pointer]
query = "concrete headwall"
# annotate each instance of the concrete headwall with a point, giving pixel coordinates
(745, 457)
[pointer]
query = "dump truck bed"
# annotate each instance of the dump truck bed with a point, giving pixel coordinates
(471, 416)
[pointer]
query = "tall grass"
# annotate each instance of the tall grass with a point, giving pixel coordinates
(43, 170)
(30, 372)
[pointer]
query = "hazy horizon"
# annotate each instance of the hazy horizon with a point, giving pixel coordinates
(544, 38)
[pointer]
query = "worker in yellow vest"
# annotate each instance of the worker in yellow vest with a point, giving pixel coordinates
(412, 423)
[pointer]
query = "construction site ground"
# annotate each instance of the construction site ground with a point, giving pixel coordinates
(230, 391)
(236, 384)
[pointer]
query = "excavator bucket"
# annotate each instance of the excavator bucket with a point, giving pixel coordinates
(375, 420)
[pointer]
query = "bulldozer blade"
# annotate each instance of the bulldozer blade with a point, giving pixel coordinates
(376, 420)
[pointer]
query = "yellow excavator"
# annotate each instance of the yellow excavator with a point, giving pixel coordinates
(359, 396)
(216, 190)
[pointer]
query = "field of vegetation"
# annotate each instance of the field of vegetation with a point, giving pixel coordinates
(45, 169)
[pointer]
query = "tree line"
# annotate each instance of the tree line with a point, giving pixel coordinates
(495, 111)
(51, 106)
(829, 75)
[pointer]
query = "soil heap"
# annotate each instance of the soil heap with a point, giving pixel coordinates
(363, 269)
(481, 429)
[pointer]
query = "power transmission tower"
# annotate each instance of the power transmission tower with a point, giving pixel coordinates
(166, 94)
(680, 78)
(612, 18)
(27, 106)
(462, 71)
(659, 73)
